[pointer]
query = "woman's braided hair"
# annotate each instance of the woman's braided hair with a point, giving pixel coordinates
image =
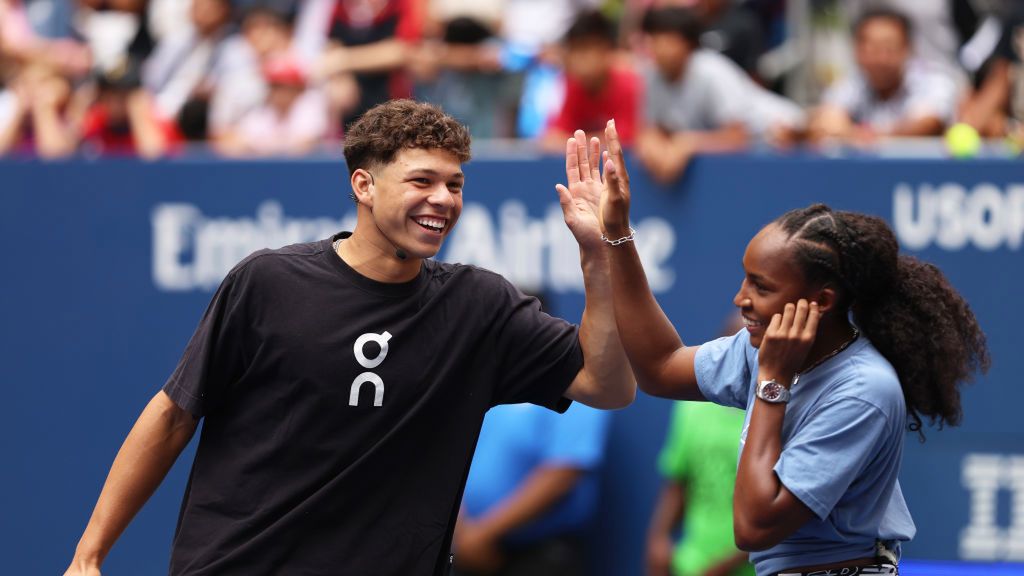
(906, 308)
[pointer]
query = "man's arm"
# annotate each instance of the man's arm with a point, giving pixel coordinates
(983, 109)
(154, 443)
(605, 381)
(380, 56)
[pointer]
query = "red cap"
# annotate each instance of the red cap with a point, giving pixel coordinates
(285, 70)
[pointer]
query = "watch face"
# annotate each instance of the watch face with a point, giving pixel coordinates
(772, 391)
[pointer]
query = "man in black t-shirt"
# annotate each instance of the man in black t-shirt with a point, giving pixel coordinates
(343, 382)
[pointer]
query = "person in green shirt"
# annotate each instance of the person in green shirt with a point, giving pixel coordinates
(698, 462)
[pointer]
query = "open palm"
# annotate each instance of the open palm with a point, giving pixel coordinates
(581, 200)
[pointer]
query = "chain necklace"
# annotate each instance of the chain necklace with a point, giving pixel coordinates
(830, 355)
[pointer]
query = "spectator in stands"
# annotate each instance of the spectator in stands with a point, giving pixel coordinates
(532, 490)
(698, 462)
(266, 33)
(891, 95)
(996, 109)
(34, 114)
(597, 86)
(293, 120)
(123, 119)
(188, 64)
(462, 72)
(372, 41)
(696, 100)
(21, 43)
(940, 28)
(113, 29)
(729, 27)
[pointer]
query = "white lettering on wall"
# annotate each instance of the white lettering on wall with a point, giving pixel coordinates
(952, 216)
(541, 253)
(192, 251)
(985, 475)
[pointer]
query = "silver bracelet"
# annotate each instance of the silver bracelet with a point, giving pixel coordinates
(623, 240)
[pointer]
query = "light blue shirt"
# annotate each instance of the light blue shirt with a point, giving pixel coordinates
(842, 443)
(516, 439)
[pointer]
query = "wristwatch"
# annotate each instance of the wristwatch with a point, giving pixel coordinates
(772, 391)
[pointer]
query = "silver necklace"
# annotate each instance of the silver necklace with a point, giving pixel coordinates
(830, 355)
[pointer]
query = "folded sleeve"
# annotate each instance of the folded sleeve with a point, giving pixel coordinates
(724, 369)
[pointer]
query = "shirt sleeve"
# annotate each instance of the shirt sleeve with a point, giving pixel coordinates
(652, 103)
(213, 358)
(843, 94)
(672, 458)
(830, 450)
(932, 94)
(723, 370)
(538, 356)
(729, 93)
(577, 438)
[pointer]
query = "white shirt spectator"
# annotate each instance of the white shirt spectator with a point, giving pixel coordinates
(180, 64)
(241, 89)
(923, 93)
(265, 132)
(532, 24)
(934, 33)
(712, 93)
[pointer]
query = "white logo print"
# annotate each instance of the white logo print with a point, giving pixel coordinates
(369, 363)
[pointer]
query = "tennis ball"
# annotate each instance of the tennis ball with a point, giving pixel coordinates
(962, 140)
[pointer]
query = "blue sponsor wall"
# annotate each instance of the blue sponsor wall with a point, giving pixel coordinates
(111, 263)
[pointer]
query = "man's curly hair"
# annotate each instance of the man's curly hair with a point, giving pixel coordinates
(377, 136)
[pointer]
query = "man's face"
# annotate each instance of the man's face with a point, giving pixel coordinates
(589, 61)
(882, 51)
(670, 53)
(266, 33)
(209, 16)
(417, 198)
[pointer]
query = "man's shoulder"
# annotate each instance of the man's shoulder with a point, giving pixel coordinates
(469, 274)
(706, 61)
(270, 260)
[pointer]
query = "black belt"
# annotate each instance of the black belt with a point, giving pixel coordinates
(885, 568)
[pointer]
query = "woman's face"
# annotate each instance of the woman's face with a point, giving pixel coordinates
(771, 280)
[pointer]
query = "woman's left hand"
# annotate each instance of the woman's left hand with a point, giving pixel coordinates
(787, 341)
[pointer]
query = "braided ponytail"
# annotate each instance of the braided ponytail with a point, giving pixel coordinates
(906, 307)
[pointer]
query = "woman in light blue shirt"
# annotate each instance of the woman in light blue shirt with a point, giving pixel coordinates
(846, 345)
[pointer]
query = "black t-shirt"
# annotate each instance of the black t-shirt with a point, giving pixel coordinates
(341, 413)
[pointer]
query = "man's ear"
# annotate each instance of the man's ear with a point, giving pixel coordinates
(362, 187)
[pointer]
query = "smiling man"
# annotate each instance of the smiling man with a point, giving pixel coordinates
(343, 382)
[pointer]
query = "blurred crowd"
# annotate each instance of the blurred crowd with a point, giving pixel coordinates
(680, 77)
